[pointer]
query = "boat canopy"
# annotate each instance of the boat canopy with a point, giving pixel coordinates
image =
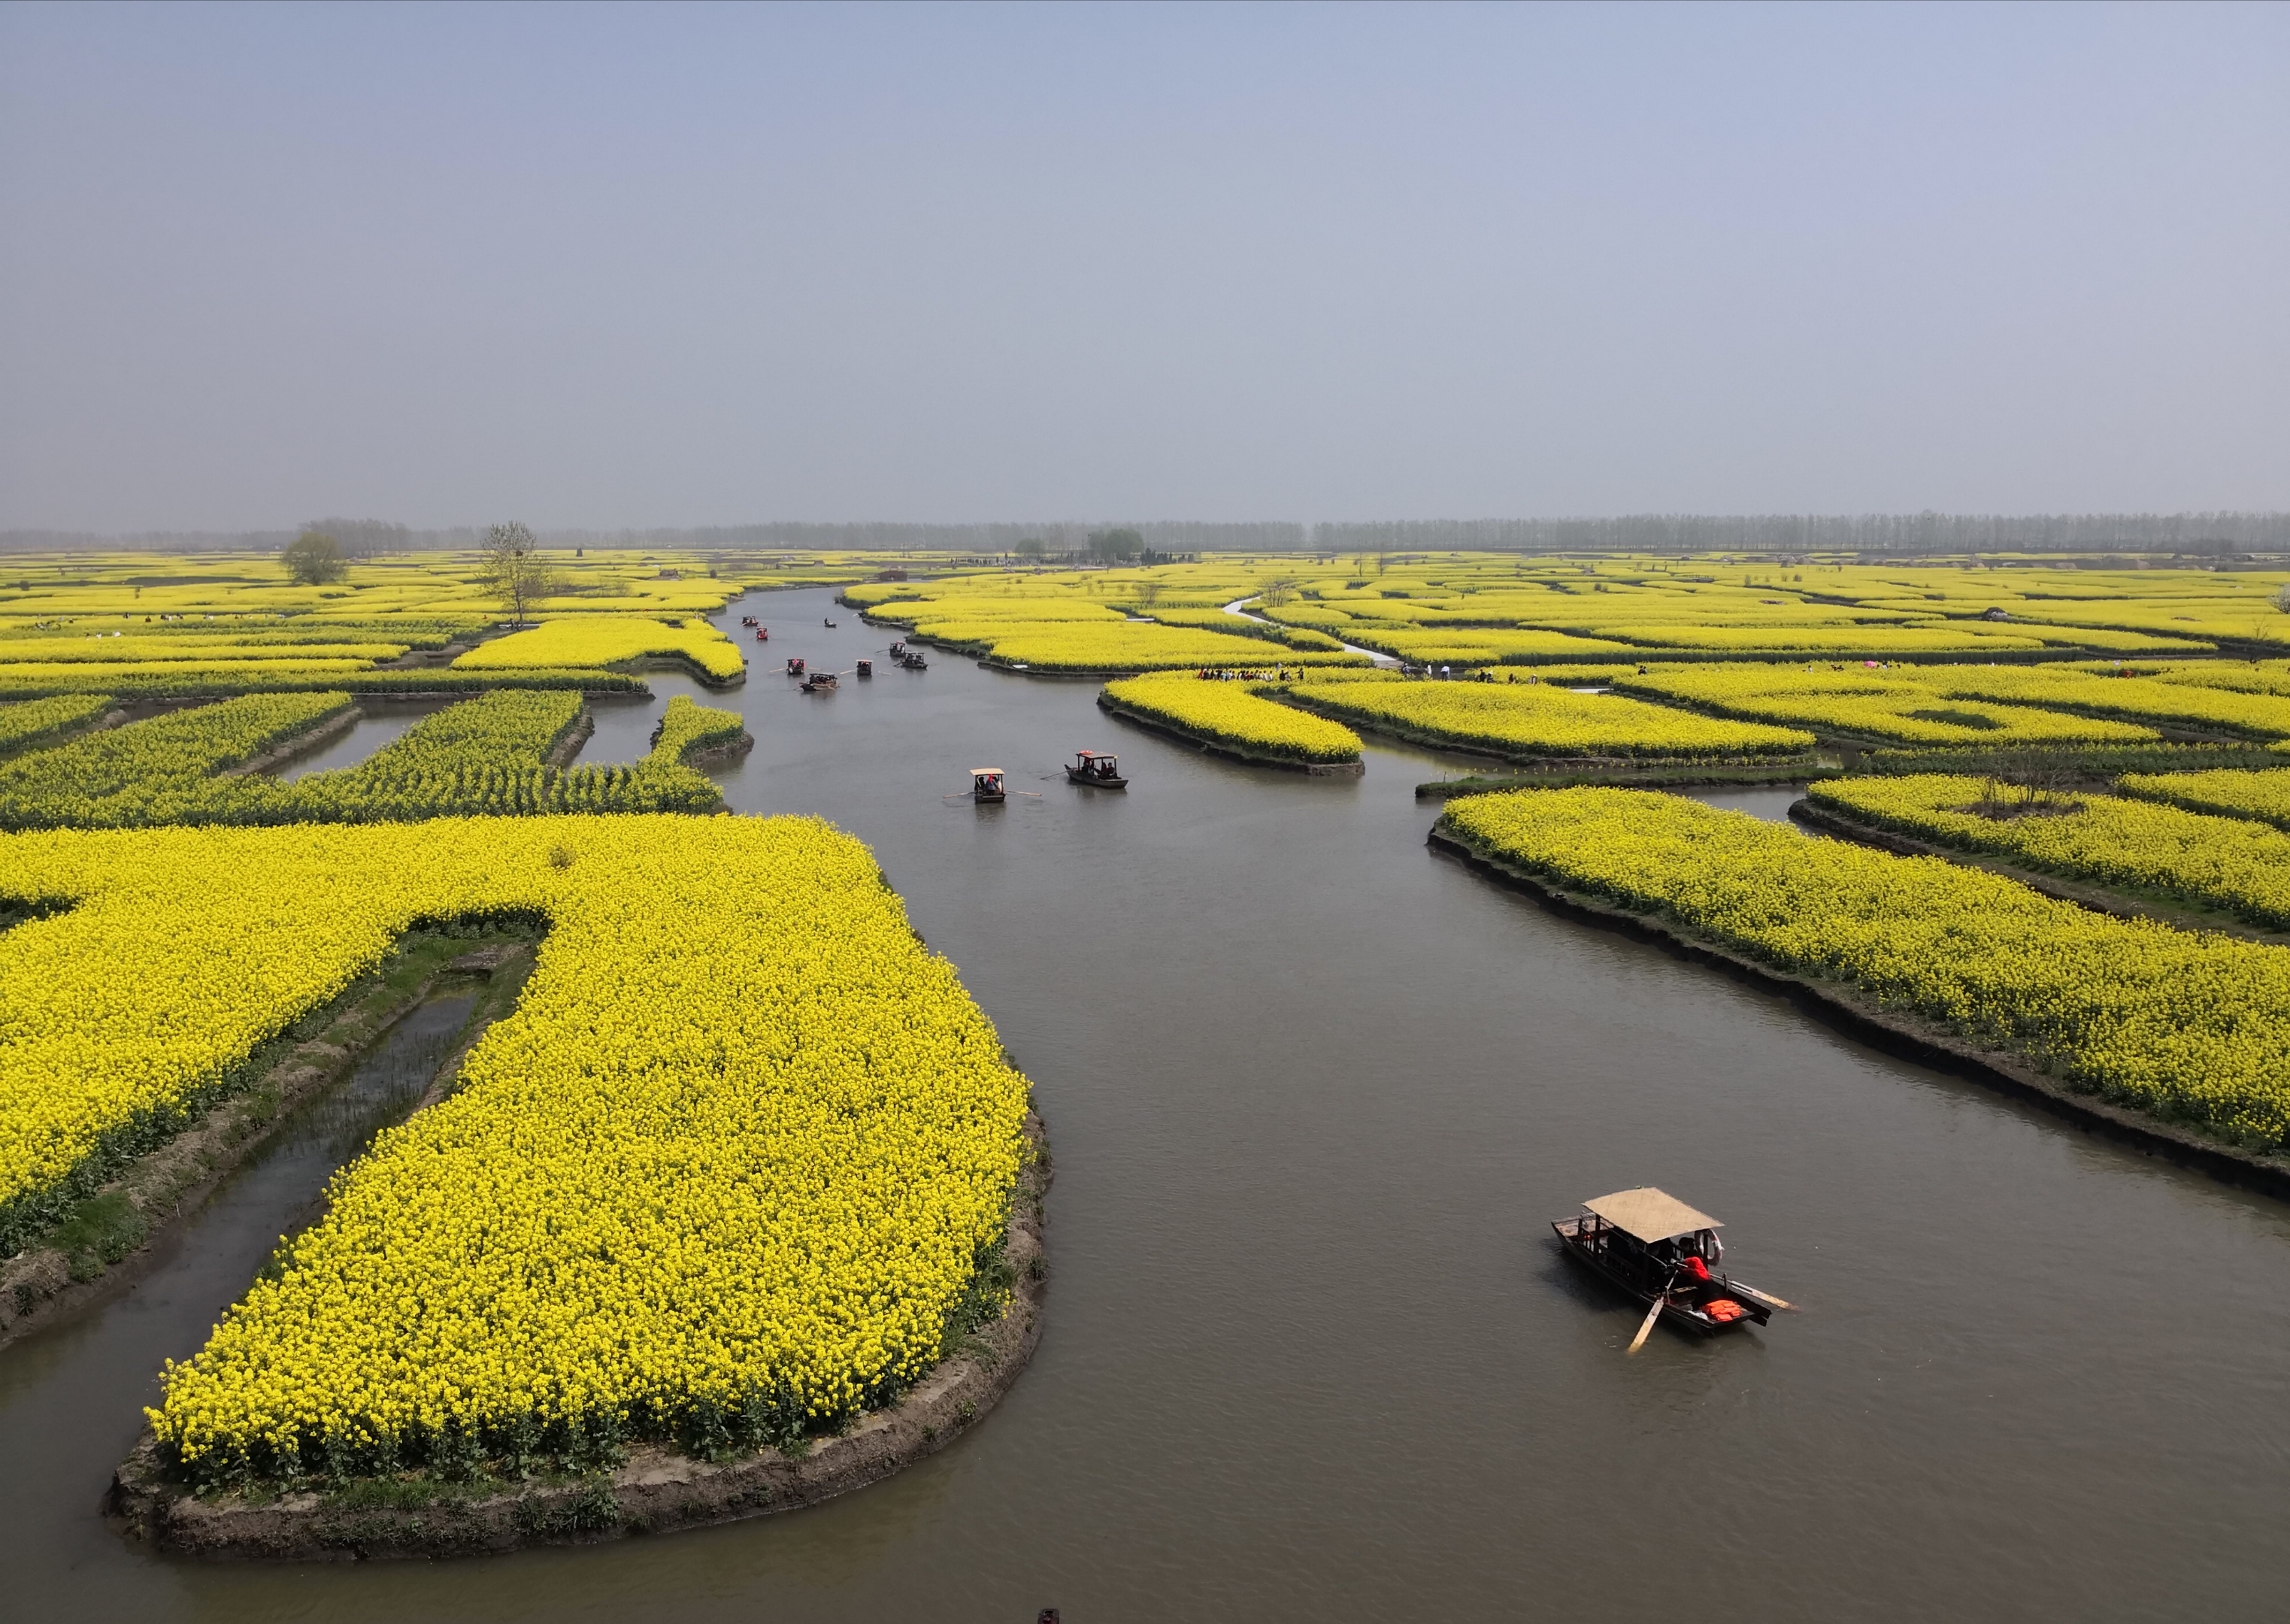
(1649, 1215)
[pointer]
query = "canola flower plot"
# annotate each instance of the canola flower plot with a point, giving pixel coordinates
(1472, 648)
(1233, 715)
(1541, 720)
(1895, 706)
(2189, 1027)
(1243, 625)
(2233, 866)
(196, 679)
(485, 756)
(721, 1178)
(127, 774)
(118, 650)
(1118, 645)
(609, 640)
(37, 721)
(2261, 794)
(2136, 698)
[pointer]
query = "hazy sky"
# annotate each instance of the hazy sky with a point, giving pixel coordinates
(659, 266)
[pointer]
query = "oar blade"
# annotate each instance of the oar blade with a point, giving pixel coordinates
(1646, 1325)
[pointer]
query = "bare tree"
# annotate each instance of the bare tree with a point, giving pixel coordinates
(512, 570)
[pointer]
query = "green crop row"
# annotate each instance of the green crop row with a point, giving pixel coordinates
(488, 756)
(123, 774)
(37, 721)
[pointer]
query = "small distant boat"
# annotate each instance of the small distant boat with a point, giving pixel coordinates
(794, 665)
(1664, 1254)
(866, 668)
(746, 620)
(1097, 769)
(820, 682)
(828, 624)
(897, 650)
(989, 784)
(913, 662)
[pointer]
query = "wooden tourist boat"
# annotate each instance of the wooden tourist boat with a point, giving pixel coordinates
(898, 650)
(1097, 769)
(914, 661)
(794, 665)
(989, 784)
(762, 634)
(821, 682)
(746, 620)
(1665, 1255)
(866, 668)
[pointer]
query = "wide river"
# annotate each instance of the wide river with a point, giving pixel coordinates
(1314, 1094)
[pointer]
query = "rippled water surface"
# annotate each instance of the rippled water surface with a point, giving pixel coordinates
(1314, 1093)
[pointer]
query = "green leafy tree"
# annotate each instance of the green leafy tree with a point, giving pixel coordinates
(315, 559)
(1112, 546)
(1032, 547)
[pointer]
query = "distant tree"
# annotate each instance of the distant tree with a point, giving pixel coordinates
(1112, 546)
(364, 538)
(1033, 547)
(2282, 600)
(315, 559)
(512, 571)
(1149, 593)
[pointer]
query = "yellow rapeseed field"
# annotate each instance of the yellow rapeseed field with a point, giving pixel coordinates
(726, 1169)
(2192, 1027)
(2236, 865)
(606, 640)
(36, 721)
(2230, 792)
(1542, 719)
(1897, 704)
(1232, 712)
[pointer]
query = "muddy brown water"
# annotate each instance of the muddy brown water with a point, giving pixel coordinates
(1313, 1094)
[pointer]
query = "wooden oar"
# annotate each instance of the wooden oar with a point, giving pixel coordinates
(1767, 1298)
(1653, 1315)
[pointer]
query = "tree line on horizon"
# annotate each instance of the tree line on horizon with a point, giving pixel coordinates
(2199, 534)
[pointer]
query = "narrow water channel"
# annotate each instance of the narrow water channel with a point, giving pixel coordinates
(381, 723)
(1314, 1093)
(71, 1400)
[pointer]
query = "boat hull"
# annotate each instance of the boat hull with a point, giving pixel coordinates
(1678, 1310)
